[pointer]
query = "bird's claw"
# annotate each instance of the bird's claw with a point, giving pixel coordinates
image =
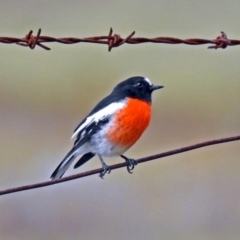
(131, 163)
(106, 169)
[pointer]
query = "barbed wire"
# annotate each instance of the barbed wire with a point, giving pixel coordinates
(115, 40)
(119, 165)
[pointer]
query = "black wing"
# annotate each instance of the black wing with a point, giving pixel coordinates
(85, 134)
(102, 104)
(86, 157)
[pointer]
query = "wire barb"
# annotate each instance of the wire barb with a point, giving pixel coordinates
(115, 40)
(221, 42)
(31, 41)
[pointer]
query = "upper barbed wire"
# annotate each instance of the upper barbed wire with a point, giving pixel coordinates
(115, 40)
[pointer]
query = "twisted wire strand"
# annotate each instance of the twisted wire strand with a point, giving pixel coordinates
(115, 40)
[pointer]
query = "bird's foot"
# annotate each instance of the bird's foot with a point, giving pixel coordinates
(106, 169)
(131, 163)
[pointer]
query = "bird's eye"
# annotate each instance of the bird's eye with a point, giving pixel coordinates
(140, 84)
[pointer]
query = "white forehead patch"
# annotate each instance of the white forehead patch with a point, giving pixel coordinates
(148, 81)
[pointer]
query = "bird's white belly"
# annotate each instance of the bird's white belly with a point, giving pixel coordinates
(99, 144)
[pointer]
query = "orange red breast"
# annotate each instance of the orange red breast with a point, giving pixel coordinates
(130, 122)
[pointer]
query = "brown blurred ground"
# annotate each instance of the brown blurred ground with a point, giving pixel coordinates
(44, 95)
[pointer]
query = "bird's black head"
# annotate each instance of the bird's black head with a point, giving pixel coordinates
(136, 87)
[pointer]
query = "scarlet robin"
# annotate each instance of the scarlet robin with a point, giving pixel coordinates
(113, 125)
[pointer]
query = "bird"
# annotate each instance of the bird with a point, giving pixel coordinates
(113, 126)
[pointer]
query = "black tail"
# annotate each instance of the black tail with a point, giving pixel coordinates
(64, 165)
(86, 157)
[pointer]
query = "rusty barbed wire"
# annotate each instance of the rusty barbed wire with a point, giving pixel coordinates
(120, 165)
(115, 40)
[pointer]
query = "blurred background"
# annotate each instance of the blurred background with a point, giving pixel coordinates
(45, 94)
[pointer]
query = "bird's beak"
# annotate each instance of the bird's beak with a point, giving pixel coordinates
(155, 87)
